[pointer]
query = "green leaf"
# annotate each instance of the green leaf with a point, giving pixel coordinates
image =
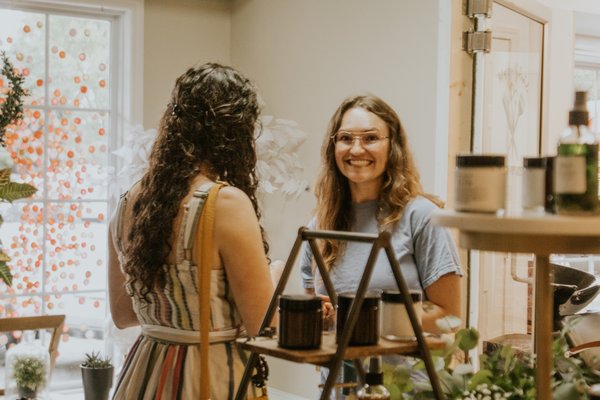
(4, 176)
(5, 274)
(481, 376)
(13, 191)
(467, 338)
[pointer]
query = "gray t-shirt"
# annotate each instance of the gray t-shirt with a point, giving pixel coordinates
(425, 252)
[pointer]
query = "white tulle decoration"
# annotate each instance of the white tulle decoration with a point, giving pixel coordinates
(134, 155)
(278, 166)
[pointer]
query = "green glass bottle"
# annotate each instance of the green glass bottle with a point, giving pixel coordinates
(576, 164)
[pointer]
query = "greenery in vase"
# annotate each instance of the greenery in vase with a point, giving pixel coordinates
(29, 373)
(504, 373)
(95, 361)
(11, 111)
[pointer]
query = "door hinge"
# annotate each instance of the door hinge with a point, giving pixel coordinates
(477, 41)
(472, 8)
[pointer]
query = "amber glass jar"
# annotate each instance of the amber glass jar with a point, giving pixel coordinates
(366, 330)
(300, 321)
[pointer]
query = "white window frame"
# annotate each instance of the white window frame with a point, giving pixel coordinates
(126, 74)
(590, 60)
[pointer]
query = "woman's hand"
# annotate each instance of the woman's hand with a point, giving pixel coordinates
(327, 309)
(328, 313)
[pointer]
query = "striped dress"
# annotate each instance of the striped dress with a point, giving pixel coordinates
(164, 363)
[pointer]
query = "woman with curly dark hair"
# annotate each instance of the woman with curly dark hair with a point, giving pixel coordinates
(206, 134)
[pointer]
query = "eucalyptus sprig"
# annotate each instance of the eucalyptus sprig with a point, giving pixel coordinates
(11, 111)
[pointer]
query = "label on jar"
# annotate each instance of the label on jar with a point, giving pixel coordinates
(570, 175)
(480, 189)
(534, 188)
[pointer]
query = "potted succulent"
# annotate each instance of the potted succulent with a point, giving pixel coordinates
(29, 374)
(97, 375)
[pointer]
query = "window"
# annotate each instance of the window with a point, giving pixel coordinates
(588, 78)
(587, 74)
(57, 240)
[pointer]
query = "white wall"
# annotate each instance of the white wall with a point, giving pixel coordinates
(306, 56)
(177, 35)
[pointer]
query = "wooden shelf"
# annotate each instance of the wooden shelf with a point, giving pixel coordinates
(325, 354)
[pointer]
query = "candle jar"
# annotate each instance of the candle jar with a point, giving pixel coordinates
(480, 183)
(395, 323)
(300, 321)
(534, 184)
(366, 330)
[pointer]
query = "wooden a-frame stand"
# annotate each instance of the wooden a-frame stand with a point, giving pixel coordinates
(333, 360)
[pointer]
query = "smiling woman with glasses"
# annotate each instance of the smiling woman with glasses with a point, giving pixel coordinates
(369, 183)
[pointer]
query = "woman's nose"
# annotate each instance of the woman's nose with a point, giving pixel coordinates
(357, 145)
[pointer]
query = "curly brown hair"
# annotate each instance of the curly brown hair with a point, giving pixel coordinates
(401, 181)
(207, 128)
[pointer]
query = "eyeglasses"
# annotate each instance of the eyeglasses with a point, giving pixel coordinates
(368, 139)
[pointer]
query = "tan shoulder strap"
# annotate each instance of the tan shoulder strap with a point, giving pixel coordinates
(206, 227)
(195, 206)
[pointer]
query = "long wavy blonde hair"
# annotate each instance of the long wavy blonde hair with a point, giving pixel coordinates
(401, 181)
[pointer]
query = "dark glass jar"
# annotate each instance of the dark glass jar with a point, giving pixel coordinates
(366, 330)
(300, 321)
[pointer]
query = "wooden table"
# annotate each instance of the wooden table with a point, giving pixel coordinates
(541, 235)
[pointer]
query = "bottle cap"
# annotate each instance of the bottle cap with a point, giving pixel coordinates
(579, 115)
(394, 296)
(299, 302)
(371, 299)
(479, 160)
(534, 162)
(374, 376)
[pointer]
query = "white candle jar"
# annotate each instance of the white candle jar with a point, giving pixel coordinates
(480, 183)
(534, 184)
(395, 322)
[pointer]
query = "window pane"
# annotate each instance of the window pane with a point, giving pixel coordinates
(588, 79)
(22, 36)
(27, 147)
(76, 247)
(22, 237)
(79, 59)
(78, 155)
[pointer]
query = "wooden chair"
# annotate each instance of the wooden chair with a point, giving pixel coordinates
(53, 322)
